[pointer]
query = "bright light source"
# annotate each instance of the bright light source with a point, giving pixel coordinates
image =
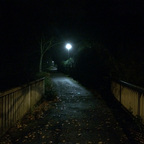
(68, 46)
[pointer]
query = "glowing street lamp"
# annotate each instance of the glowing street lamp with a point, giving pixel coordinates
(68, 47)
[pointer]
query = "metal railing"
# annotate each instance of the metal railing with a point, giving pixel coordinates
(15, 103)
(130, 96)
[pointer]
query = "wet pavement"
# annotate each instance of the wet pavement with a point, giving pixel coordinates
(78, 117)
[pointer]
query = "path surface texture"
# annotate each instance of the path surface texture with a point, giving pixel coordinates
(78, 117)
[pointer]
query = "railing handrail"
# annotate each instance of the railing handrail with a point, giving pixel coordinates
(132, 86)
(2, 94)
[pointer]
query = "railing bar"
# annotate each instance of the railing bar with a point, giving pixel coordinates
(2, 94)
(134, 87)
(139, 95)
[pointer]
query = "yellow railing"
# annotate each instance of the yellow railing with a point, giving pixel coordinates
(15, 103)
(130, 96)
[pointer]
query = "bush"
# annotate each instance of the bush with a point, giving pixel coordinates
(50, 93)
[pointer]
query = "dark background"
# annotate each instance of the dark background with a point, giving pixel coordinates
(111, 21)
(117, 24)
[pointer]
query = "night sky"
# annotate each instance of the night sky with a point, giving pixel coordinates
(21, 20)
(113, 22)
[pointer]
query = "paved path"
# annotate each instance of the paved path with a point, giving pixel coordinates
(77, 118)
(83, 118)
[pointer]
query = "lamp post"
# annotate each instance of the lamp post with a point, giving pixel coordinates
(68, 47)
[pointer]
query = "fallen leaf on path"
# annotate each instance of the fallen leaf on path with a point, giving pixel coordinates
(79, 134)
(100, 142)
(57, 130)
(26, 136)
(43, 137)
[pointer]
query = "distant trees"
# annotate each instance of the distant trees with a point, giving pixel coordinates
(130, 65)
(45, 45)
(92, 62)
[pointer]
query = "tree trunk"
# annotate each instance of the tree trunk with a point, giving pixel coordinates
(40, 64)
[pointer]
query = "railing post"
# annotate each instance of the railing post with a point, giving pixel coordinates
(29, 93)
(139, 96)
(120, 94)
(1, 115)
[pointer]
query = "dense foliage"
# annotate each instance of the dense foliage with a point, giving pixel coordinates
(96, 62)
